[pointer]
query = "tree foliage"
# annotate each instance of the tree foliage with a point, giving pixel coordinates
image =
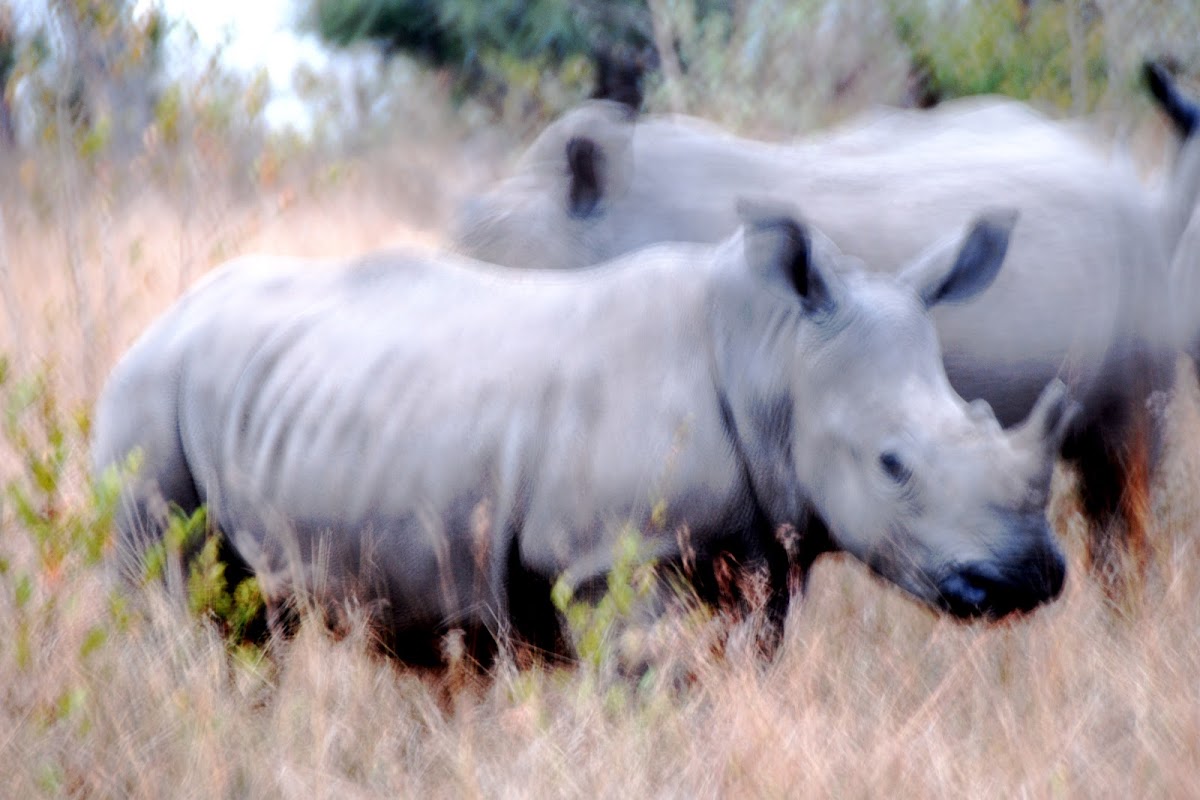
(1051, 52)
(462, 34)
(493, 49)
(89, 70)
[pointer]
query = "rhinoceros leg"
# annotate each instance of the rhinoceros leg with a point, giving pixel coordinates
(1115, 457)
(754, 590)
(1114, 489)
(534, 621)
(758, 581)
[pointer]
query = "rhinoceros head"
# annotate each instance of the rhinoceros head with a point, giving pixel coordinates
(545, 214)
(863, 426)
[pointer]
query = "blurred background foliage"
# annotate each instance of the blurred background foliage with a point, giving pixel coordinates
(105, 103)
(94, 73)
(727, 53)
(525, 56)
(98, 82)
(1052, 52)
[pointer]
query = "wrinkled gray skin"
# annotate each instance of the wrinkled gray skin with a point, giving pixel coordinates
(441, 439)
(1082, 297)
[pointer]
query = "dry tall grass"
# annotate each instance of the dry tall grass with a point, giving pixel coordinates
(871, 696)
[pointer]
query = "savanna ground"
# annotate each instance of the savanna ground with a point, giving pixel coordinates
(104, 693)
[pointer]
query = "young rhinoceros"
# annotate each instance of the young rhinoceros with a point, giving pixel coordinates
(441, 439)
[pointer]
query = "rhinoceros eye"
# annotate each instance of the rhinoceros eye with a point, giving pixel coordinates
(894, 467)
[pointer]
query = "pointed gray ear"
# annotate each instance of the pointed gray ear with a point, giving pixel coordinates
(1183, 113)
(779, 247)
(585, 168)
(591, 148)
(956, 270)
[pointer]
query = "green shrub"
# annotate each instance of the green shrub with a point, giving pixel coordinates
(521, 58)
(595, 625)
(66, 535)
(56, 536)
(54, 539)
(1022, 50)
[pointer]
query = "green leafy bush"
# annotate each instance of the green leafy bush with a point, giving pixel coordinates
(515, 55)
(1053, 53)
(53, 540)
(596, 625)
(58, 535)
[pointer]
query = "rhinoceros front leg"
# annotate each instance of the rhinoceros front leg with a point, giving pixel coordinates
(629, 616)
(754, 592)
(754, 603)
(609, 606)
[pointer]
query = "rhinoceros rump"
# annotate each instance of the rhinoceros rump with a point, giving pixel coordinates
(442, 439)
(1184, 115)
(1082, 297)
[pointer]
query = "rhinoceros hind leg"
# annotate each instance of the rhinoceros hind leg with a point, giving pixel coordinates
(1115, 461)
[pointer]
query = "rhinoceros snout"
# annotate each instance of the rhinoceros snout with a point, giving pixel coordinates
(987, 590)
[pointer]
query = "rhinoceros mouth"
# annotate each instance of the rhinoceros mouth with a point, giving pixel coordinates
(984, 590)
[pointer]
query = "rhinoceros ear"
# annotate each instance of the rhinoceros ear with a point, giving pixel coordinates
(779, 246)
(1183, 113)
(955, 270)
(592, 148)
(585, 165)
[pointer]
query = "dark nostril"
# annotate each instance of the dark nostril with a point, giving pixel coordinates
(963, 596)
(983, 590)
(977, 590)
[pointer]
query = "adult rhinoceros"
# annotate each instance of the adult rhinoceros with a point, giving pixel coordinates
(1082, 298)
(442, 439)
